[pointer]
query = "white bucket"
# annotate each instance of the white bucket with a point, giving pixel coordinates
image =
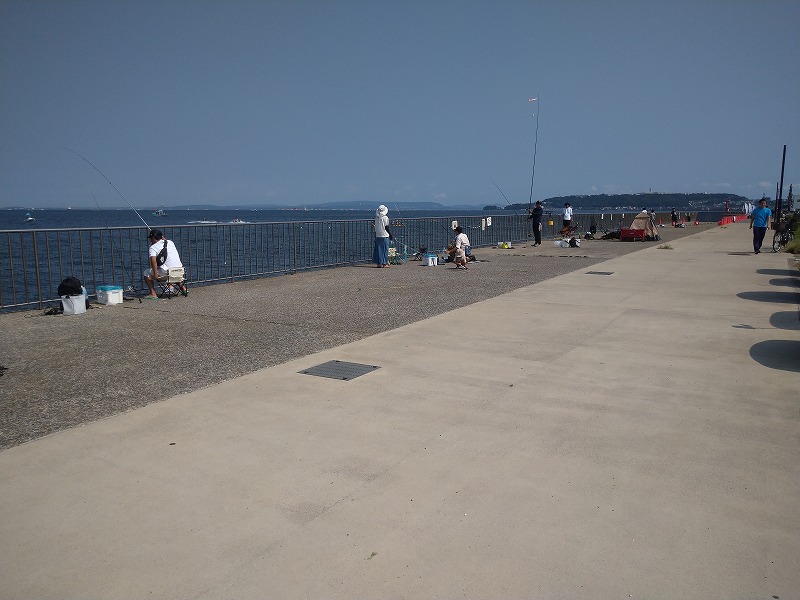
(74, 305)
(429, 260)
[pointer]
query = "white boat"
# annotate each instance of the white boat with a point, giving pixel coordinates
(159, 213)
(29, 218)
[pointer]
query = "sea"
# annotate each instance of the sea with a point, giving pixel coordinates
(26, 219)
(18, 219)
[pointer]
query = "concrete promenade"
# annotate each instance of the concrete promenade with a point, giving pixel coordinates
(625, 430)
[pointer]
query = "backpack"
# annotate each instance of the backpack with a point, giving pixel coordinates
(161, 257)
(71, 286)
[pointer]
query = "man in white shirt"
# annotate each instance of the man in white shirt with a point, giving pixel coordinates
(567, 217)
(462, 245)
(158, 243)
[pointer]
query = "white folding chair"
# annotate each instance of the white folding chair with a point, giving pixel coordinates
(174, 283)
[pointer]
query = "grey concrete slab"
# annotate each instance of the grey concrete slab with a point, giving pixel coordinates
(631, 437)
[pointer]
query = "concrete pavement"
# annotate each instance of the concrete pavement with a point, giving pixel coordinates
(628, 430)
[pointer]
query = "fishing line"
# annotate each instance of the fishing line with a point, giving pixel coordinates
(402, 240)
(535, 144)
(109, 182)
(499, 190)
(130, 288)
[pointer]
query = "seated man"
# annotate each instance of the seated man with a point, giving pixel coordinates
(157, 243)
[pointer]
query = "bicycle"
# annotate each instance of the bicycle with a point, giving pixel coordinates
(783, 235)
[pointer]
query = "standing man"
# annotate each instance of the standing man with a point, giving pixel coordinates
(674, 216)
(567, 217)
(536, 222)
(759, 224)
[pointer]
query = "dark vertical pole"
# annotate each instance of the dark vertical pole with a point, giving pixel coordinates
(779, 203)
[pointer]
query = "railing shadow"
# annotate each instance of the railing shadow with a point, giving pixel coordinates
(783, 355)
(769, 296)
(780, 272)
(784, 281)
(786, 319)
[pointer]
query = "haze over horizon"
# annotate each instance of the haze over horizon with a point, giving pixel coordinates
(308, 102)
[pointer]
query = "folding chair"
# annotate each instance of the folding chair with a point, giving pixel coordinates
(171, 284)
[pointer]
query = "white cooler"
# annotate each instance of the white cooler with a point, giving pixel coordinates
(109, 294)
(429, 260)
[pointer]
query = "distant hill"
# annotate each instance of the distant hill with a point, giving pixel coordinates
(658, 202)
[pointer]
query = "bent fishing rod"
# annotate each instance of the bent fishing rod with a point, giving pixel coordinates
(109, 183)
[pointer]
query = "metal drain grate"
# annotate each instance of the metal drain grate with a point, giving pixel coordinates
(599, 272)
(339, 369)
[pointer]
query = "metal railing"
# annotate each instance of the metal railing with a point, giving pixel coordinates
(33, 262)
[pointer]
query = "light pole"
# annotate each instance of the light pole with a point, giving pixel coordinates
(535, 144)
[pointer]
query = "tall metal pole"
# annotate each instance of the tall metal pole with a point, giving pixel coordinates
(779, 204)
(535, 144)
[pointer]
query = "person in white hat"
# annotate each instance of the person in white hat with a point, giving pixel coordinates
(380, 256)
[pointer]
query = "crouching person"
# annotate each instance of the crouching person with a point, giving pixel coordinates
(461, 248)
(163, 256)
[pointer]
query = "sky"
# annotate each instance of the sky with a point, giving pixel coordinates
(301, 102)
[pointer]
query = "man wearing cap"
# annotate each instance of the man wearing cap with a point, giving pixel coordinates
(157, 243)
(536, 222)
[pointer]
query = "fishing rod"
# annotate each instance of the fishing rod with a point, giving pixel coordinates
(109, 182)
(535, 144)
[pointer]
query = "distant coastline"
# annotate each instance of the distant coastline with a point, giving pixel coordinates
(597, 203)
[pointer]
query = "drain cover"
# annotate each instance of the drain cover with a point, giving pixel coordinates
(599, 272)
(339, 369)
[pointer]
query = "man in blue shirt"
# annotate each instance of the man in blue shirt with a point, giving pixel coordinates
(760, 223)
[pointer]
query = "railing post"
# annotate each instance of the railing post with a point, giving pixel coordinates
(230, 243)
(36, 268)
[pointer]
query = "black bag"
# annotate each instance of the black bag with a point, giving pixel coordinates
(161, 257)
(71, 286)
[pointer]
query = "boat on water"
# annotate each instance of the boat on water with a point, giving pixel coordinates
(203, 222)
(239, 221)
(29, 218)
(159, 213)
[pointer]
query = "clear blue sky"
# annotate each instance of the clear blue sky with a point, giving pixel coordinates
(300, 102)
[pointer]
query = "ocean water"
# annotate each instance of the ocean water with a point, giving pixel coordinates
(15, 219)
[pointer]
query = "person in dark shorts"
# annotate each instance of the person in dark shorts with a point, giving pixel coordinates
(759, 224)
(567, 213)
(536, 222)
